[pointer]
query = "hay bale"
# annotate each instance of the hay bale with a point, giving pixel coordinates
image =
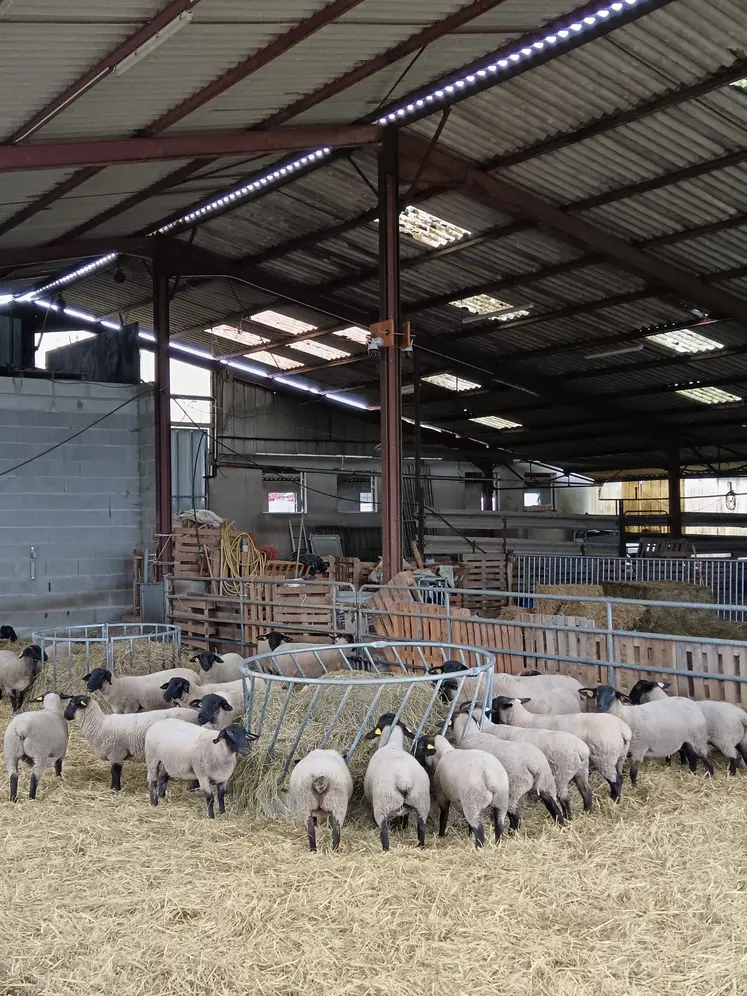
(552, 607)
(691, 622)
(659, 591)
(258, 786)
(624, 617)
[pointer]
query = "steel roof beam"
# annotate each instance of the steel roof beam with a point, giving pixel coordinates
(29, 255)
(524, 204)
(258, 60)
(112, 152)
(379, 62)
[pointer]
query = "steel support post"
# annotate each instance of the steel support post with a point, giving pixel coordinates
(162, 406)
(675, 495)
(419, 499)
(391, 400)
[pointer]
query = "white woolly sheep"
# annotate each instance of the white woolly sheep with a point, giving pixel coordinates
(117, 738)
(659, 728)
(395, 784)
(607, 737)
(547, 693)
(18, 672)
(175, 749)
(134, 692)
(320, 785)
(525, 765)
(475, 780)
(726, 724)
(567, 755)
(37, 738)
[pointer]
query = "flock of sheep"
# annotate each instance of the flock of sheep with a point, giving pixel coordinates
(541, 735)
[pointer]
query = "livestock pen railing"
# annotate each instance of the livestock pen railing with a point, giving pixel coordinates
(67, 647)
(593, 648)
(727, 579)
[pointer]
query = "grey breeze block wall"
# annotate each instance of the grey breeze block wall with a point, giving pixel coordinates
(83, 508)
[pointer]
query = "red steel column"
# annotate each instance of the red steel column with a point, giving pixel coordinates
(391, 399)
(162, 405)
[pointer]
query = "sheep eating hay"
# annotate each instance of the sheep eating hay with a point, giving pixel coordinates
(18, 672)
(134, 692)
(320, 785)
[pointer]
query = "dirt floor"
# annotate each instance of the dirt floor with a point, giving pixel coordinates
(100, 893)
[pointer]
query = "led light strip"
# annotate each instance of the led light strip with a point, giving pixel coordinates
(397, 115)
(444, 91)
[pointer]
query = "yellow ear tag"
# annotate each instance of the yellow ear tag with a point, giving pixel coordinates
(430, 747)
(588, 693)
(377, 731)
(438, 670)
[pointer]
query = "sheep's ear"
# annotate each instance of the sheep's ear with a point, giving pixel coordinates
(664, 684)
(195, 703)
(373, 734)
(435, 670)
(86, 676)
(221, 736)
(193, 659)
(226, 706)
(64, 696)
(255, 736)
(623, 698)
(524, 701)
(407, 731)
(587, 693)
(164, 687)
(217, 659)
(108, 677)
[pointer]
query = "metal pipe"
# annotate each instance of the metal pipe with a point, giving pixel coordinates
(419, 500)
(391, 398)
(675, 494)
(162, 406)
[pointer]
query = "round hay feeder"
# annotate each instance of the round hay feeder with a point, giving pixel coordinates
(331, 696)
(73, 649)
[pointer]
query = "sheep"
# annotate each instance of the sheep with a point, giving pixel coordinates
(117, 738)
(320, 785)
(38, 738)
(219, 704)
(549, 693)
(567, 755)
(8, 633)
(525, 765)
(134, 692)
(309, 660)
(607, 737)
(726, 724)
(473, 779)
(395, 784)
(221, 668)
(19, 672)
(659, 728)
(175, 749)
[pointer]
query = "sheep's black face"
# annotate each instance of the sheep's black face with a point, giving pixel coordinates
(529, 674)
(97, 679)
(644, 687)
(207, 658)
(274, 639)
(210, 707)
(424, 748)
(34, 652)
(387, 719)
(500, 708)
(8, 633)
(604, 697)
(236, 738)
(448, 667)
(75, 703)
(175, 689)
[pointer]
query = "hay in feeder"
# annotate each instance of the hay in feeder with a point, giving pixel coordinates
(259, 783)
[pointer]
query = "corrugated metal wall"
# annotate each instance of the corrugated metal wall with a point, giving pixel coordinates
(188, 460)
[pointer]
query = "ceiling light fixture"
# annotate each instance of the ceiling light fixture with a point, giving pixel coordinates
(154, 42)
(635, 348)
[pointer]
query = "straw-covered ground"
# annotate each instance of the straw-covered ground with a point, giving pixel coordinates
(100, 893)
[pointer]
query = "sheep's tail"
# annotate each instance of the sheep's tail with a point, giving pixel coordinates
(545, 782)
(320, 784)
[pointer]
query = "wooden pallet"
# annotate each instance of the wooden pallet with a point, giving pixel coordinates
(196, 553)
(487, 573)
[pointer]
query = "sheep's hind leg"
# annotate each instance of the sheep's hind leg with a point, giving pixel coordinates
(311, 831)
(514, 820)
(34, 781)
(551, 805)
(479, 831)
(443, 819)
(497, 825)
(14, 787)
(734, 763)
(335, 825)
(221, 798)
(384, 835)
(582, 784)
(635, 766)
(58, 767)
(116, 777)
(163, 781)
(421, 832)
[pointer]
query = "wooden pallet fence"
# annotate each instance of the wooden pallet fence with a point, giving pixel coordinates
(196, 552)
(486, 573)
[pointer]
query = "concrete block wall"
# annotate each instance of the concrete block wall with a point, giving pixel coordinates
(83, 507)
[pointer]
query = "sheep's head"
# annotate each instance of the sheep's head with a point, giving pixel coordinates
(176, 689)
(209, 708)
(34, 652)
(274, 639)
(206, 658)
(236, 738)
(501, 708)
(603, 696)
(76, 702)
(387, 719)
(8, 633)
(424, 748)
(529, 673)
(642, 689)
(98, 679)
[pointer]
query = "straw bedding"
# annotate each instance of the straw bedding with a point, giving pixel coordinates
(100, 893)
